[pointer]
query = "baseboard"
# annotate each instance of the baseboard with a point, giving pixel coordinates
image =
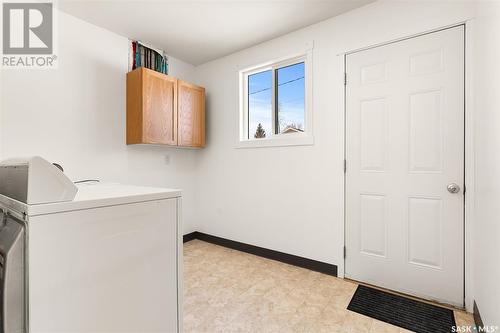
(290, 259)
(477, 316)
(189, 237)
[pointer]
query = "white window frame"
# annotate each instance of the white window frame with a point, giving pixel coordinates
(288, 139)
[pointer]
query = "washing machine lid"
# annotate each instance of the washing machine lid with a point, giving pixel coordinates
(93, 195)
(34, 180)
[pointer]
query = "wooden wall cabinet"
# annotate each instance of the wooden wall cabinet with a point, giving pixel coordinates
(190, 115)
(164, 110)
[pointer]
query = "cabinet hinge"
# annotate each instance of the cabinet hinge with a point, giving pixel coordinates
(345, 252)
(345, 166)
(345, 79)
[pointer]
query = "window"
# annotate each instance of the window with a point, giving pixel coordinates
(290, 113)
(260, 105)
(274, 104)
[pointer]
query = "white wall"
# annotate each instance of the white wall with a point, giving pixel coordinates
(290, 199)
(487, 166)
(75, 115)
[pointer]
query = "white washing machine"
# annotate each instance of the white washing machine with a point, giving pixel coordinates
(88, 258)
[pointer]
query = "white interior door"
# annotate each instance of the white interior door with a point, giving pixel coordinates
(404, 147)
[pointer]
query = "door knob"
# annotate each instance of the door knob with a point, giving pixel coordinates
(453, 188)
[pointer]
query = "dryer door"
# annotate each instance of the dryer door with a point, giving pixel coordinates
(12, 275)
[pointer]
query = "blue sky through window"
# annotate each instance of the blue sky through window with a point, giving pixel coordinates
(260, 102)
(290, 99)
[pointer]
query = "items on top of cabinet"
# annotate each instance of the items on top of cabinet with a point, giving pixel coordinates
(143, 56)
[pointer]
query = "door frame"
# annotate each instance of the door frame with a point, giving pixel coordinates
(469, 170)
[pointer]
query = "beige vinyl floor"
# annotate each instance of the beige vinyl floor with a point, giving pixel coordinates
(231, 291)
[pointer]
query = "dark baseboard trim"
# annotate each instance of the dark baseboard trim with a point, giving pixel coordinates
(290, 259)
(477, 316)
(189, 237)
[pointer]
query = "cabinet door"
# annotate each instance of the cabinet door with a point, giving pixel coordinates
(159, 108)
(191, 113)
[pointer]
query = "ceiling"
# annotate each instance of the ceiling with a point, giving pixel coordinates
(202, 30)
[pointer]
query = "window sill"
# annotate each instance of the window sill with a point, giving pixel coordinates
(276, 142)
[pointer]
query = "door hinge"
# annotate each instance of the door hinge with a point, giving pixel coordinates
(465, 189)
(345, 252)
(345, 166)
(345, 79)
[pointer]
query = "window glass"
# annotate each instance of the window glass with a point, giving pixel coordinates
(290, 112)
(260, 105)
